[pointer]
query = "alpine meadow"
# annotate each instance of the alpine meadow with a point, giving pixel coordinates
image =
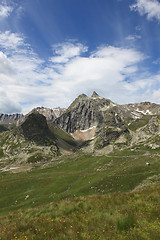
(79, 120)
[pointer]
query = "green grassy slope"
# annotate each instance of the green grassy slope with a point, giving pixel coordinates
(63, 139)
(138, 123)
(75, 176)
(112, 216)
(84, 197)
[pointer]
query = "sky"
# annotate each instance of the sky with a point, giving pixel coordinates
(51, 51)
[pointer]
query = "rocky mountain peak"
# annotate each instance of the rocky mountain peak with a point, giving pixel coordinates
(49, 113)
(88, 112)
(82, 96)
(94, 94)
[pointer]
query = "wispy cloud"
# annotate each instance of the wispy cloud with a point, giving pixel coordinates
(157, 61)
(67, 51)
(151, 8)
(5, 11)
(133, 37)
(10, 42)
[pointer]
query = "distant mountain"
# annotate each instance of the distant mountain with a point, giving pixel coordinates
(49, 113)
(11, 120)
(93, 124)
(138, 110)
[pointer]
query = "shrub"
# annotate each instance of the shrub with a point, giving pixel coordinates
(37, 158)
(126, 223)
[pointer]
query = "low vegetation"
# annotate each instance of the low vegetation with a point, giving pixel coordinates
(82, 196)
(111, 216)
(140, 122)
(52, 190)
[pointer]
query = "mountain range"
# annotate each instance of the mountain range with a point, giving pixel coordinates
(90, 124)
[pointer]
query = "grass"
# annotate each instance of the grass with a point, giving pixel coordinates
(112, 216)
(60, 133)
(138, 123)
(67, 198)
(75, 176)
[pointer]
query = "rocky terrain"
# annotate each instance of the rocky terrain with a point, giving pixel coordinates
(86, 112)
(93, 124)
(49, 113)
(33, 141)
(107, 126)
(10, 120)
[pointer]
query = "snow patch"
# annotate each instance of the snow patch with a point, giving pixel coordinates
(86, 130)
(143, 112)
(135, 115)
(148, 112)
(93, 138)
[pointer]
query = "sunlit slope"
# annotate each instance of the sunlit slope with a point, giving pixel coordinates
(82, 175)
(112, 216)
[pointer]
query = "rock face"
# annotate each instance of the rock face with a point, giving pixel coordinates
(7, 119)
(95, 123)
(17, 119)
(94, 95)
(138, 110)
(106, 123)
(49, 113)
(86, 112)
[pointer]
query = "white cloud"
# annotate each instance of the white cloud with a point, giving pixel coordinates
(11, 41)
(67, 51)
(6, 67)
(105, 69)
(149, 7)
(5, 11)
(26, 81)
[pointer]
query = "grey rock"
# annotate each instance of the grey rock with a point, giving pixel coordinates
(8, 119)
(49, 113)
(86, 112)
(17, 118)
(94, 95)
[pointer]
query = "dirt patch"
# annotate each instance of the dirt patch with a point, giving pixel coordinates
(84, 135)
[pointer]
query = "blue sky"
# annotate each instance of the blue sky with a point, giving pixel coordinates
(53, 50)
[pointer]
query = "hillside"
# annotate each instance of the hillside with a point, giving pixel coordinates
(95, 165)
(33, 141)
(112, 216)
(83, 196)
(78, 175)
